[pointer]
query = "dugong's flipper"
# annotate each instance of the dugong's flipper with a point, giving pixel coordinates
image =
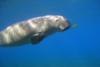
(37, 38)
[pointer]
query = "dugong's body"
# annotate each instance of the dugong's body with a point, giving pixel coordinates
(32, 30)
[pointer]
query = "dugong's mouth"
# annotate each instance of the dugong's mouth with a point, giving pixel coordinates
(65, 26)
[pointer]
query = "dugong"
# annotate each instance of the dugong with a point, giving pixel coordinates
(33, 30)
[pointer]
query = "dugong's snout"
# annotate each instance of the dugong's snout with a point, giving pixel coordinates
(64, 24)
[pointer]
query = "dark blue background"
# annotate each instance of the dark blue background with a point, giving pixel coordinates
(78, 47)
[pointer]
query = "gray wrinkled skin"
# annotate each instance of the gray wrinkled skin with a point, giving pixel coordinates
(32, 30)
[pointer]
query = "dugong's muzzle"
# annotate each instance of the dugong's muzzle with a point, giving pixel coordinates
(64, 26)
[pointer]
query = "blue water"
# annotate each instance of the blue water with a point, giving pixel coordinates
(78, 47)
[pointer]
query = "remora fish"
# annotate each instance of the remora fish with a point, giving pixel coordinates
(33, 30)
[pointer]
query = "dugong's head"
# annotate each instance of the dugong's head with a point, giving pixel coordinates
(59, 22)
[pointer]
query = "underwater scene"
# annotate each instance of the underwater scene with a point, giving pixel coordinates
(77, 46)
